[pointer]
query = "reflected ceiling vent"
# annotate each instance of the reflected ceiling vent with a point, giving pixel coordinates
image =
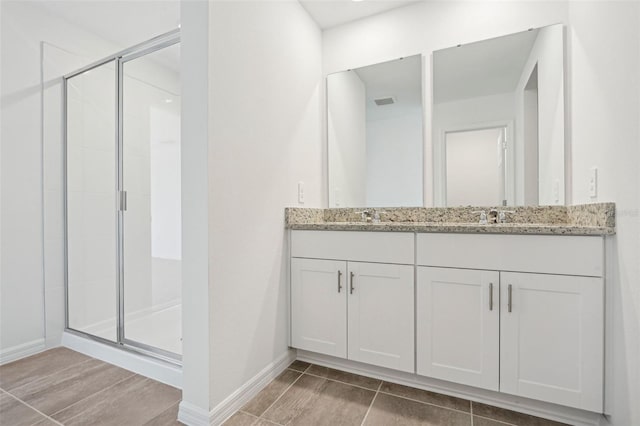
(387, 100)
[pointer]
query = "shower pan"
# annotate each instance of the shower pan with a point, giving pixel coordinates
(122, 199)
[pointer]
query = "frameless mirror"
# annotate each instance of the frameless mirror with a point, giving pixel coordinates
(498, 121)
(375, 135)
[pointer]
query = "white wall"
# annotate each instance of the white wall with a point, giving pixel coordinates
(265, 123)
(347, 139)
(547, 54)
(394, 161)
(32, 242)
(602, 125)
(194, 135)
(604, 38)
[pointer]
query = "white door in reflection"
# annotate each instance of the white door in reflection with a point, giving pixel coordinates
(476, 167)
(152, 252)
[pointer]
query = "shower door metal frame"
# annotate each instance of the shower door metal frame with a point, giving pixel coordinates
(119, 59)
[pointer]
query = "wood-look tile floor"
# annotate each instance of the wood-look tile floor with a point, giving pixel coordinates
(63, 387)
(310, 395)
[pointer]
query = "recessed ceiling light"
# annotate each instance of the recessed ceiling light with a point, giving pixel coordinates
(168, 101)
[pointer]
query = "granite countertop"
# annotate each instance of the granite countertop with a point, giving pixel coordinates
(586, 219)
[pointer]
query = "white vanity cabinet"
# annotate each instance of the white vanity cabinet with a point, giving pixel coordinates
(543, 338)
(352, 296)
(319, 306)
(381, 318)
(458, 317)
(552, 338)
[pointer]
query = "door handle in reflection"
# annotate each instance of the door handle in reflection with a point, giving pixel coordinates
(339, 281)
(351, 288)
(123, 201)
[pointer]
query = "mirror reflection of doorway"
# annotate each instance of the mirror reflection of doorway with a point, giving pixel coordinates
(476, 167)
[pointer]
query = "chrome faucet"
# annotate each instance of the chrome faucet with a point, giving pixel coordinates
(483, 217)
(372, 215)
(365, 215)
(502, 215)
(376, 215)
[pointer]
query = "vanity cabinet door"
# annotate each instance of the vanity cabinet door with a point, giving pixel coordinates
(551, 337)
(381, 315)
(458, 323)
(319, 306)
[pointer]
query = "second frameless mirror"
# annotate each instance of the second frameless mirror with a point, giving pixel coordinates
(152, 252)
(498, 121)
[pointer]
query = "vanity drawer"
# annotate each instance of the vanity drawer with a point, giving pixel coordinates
(551, 254)
(381, 247)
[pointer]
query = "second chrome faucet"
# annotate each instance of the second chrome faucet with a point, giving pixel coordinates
(494, 216)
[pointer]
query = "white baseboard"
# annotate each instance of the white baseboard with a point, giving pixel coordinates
(147, 366)
(192, 415)
(546, 410)
(195, 416)
(21, 351)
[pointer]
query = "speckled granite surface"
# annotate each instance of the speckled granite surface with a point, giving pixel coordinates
(587, 219)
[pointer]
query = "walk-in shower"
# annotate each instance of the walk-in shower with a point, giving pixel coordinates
(122, 199)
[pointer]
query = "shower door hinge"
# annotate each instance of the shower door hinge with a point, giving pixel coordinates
(123, 201)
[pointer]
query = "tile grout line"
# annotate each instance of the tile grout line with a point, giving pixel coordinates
(260, 419)
(285, 391)
(470, 412)
(371, 405)
(255, 418)
(43, 378)
(49, 374)
(393, 394)
(426, 403)
(33, 408)
(169, 407)
(497, 421)
(93, 394)
(344, 383)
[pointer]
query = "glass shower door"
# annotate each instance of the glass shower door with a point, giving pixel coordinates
(151, 222)
(91, 217)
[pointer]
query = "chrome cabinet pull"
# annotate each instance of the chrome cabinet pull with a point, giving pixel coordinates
(339, 281)
(510, 291)
(351, 288)
(491, 296)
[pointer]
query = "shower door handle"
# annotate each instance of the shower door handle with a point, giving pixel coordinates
(123, 201)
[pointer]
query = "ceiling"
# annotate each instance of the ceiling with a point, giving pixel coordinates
(330, 13)
(128, 22)
(484, 68)
(400, 79)
(122, 22)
